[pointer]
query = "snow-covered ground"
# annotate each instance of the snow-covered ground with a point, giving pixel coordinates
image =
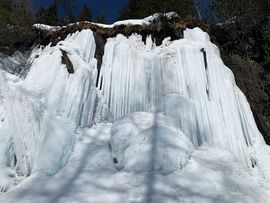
(208, 174)
(166, 124)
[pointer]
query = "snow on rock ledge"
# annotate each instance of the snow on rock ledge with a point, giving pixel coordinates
(145, 142)
(196, 34)
(157, 17)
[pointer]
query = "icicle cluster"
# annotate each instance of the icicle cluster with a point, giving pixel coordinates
(185, 79)
(38, 115)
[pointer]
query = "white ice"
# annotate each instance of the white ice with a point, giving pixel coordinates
(149, 142)
(39, 114)
(212, 109)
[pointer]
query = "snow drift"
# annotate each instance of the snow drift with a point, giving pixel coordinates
(194, 140)
(149, 142)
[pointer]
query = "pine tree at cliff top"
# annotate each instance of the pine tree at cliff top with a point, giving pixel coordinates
(85, 14)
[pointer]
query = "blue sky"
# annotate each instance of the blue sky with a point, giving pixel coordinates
(110, 7)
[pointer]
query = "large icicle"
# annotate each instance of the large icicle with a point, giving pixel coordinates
(183, 111)
(135, 77)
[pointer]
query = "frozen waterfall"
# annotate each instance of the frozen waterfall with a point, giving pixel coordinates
(179, 93)
(210, 108)
(39, 114)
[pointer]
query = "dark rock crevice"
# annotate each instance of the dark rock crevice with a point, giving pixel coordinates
(100, 47)
(67, 62)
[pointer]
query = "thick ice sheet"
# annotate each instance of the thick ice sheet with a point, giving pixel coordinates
(182, 111)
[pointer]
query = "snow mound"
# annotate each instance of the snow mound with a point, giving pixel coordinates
(149, 142)
(196, 34)
(212, 175)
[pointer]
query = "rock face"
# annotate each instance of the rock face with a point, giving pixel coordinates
(67, 62)
(254, 81)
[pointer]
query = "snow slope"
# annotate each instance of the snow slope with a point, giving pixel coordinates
(166, 124)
